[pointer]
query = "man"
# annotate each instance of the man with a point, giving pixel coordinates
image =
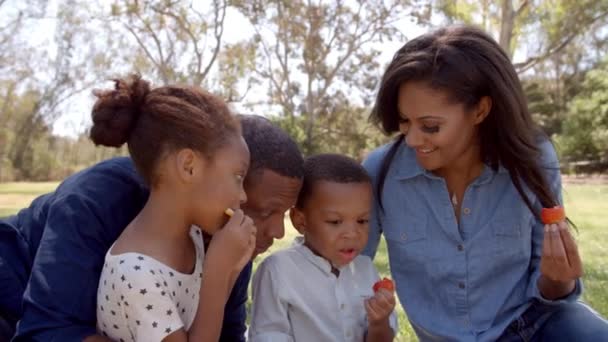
(51, 253)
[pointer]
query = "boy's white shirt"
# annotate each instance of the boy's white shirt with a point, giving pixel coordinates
(296, 297)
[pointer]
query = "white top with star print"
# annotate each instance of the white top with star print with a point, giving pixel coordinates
(142, 299)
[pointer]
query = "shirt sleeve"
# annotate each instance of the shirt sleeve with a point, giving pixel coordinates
(375, 228)
(550, 164)
(59, 301)
(87, 214)
(270, 319)
(235, 312)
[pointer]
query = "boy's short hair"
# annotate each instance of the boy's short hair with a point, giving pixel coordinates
(330, 167)
(271, 148)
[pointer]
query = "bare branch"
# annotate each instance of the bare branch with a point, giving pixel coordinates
(530, 62)
(162, 65)
(218, 32)
(522, 7)
(143, 46)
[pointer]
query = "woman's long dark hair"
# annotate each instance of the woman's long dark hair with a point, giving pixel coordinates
(468, 64)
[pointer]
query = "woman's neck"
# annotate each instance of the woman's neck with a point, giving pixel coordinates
(464, 170)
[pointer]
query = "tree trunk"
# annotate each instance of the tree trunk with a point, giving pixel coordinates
(507, 24)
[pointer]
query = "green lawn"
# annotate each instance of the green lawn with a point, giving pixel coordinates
(586, 207)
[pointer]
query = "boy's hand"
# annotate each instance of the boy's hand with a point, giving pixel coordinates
(380, 306)
(235, 242)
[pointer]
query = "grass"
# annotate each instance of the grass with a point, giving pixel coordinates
(586, 207)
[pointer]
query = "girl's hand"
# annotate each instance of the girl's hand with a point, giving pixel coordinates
(235, 242)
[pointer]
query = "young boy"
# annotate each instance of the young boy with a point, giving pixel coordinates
(320, 289)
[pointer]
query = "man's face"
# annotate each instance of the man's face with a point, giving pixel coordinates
(269, 196)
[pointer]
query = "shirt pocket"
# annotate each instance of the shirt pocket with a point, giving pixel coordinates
(407, 238)
(512, 233)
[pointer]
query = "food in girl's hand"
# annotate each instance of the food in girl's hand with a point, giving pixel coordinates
(385, 283)
(552, 215)
(229, 212)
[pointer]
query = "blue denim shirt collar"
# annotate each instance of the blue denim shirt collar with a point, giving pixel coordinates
(409, 168)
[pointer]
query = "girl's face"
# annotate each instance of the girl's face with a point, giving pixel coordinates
(218, 184)
(443, 133)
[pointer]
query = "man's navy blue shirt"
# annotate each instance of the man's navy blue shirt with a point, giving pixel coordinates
(52, 253)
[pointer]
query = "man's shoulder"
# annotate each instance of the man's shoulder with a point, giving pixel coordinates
(109, 180)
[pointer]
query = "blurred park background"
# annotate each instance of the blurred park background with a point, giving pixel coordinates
(311, 66)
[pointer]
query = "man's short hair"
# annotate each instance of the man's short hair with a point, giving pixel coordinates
(330, 167)
(271, 148)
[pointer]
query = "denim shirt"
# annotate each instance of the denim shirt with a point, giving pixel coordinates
(462, 283)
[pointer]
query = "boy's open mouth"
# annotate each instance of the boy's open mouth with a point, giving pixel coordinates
(348, 253)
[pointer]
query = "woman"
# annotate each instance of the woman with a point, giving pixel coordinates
(459, 194)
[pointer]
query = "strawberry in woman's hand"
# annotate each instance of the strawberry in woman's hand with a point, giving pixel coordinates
(552, 215)
(386, 284)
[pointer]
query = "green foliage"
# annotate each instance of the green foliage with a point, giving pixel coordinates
(585, 130)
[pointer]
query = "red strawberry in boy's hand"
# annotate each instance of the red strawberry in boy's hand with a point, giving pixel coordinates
(552, 215)
(386, 284)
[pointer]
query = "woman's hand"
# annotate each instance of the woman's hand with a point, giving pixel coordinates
(560, 263)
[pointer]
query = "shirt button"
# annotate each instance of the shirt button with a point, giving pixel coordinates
(342, 306)
(403, 236)
(466, 211)
(461, 285)
(461, 248)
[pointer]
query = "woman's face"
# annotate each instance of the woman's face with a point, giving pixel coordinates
(443, 133)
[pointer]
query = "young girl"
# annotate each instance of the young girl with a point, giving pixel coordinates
(185, 143)
(459, 195)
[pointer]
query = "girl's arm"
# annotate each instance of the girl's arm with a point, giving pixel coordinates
(229, 251)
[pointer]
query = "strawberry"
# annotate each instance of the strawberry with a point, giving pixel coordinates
(552, 215)
(384, 284)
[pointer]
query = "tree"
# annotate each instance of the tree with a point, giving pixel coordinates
(585, 133)
(543, 27)
(319, 58)
(54, 77)
(168, 41)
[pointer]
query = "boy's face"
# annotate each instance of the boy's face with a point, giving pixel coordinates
(335, 220)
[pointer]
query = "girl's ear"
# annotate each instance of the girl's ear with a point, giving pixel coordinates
(188, 165)
(298, 219)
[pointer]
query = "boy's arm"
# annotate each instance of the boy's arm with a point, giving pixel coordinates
(380, 332)
(380, 311)
(269, 316)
